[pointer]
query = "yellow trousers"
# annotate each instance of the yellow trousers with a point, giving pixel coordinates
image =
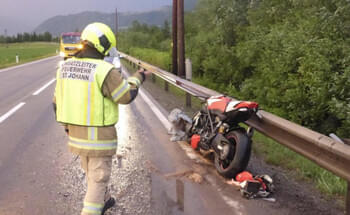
(97, 172)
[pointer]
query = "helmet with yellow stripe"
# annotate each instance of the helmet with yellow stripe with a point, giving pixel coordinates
(99, 36)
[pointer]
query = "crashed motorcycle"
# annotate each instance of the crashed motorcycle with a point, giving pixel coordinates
(216, 128)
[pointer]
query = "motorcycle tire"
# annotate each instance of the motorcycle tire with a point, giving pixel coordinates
(238, 157)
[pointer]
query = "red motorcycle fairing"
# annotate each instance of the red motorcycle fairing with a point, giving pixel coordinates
(234, 105)
(225, 104)
(218, 103)
(249, 105)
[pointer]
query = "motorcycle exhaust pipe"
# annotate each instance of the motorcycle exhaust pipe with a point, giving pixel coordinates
(221, 146)
(250, 132)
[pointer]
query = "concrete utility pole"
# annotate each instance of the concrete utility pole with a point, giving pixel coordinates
(174, 32)
(181, 38)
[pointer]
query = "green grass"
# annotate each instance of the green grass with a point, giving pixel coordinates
(26, 51)
(278, 155)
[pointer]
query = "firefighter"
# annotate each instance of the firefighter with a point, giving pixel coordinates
(87, 94)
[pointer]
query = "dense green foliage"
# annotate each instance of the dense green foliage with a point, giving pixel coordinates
(144, 36)
(149, 43)
(25, 51)
(292, 56)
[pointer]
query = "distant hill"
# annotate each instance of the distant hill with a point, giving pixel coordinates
(76, 22)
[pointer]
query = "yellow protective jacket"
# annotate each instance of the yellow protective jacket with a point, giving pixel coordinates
(91, 126)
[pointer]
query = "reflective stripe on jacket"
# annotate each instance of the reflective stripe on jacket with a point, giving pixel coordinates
(79, 96)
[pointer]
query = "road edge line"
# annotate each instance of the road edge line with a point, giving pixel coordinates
(27, 64)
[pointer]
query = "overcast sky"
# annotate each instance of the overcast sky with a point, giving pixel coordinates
(32, 12)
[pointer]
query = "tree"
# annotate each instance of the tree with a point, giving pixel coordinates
(26, 37)
(47, 36)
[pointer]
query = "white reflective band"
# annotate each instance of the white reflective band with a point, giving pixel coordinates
(93, 205)
(87, 209)
(88, 112)
(92, 208)
(97, 31)
(98, 145)
(120, 91)
(92, 133)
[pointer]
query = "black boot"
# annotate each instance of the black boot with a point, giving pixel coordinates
(108, 204)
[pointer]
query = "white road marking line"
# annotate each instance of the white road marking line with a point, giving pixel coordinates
(10, 112)
(239, 209)
(155, 110)
(44, 87)
(27, 64)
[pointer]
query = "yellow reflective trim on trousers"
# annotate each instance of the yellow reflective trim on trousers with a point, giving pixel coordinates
(94, 204)
(93, 144)
(91, 211)
(134, 80)
(91, 141)
(92, 208)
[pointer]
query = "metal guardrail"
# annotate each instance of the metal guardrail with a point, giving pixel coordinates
(323, 150)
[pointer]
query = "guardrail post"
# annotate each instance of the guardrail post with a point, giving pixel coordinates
(166, 84)
(189, 78)
(347, 201)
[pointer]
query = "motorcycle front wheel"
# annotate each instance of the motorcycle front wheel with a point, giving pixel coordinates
(238, 157)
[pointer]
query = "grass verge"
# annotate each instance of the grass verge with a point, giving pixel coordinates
(26, 51)
(278, 155)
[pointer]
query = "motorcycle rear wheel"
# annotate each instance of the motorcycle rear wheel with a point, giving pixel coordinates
(239, 155)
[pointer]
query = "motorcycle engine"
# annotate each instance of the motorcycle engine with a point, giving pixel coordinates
(221, 146)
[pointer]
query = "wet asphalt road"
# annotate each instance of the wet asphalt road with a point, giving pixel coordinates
(151, 175)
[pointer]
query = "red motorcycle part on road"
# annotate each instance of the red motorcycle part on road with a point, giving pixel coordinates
(244, 176)
(195, 140)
